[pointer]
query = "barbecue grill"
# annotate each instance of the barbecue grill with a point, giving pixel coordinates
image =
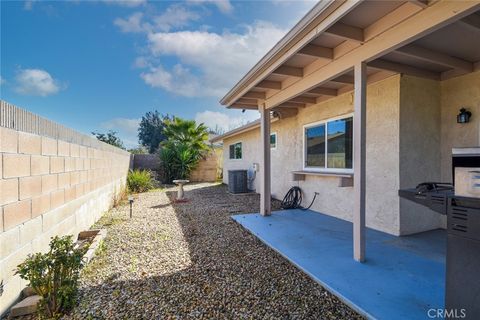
(461, 203)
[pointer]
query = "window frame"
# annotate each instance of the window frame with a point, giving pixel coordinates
(324, 169)
(276, 140)
(233, 144)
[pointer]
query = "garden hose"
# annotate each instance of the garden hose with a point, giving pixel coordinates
(293, 199)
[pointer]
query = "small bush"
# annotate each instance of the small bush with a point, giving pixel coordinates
(139, 181)
(54, 276)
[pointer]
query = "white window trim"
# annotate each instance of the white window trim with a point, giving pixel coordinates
(232, 144)
(276, 140)
(317, 169)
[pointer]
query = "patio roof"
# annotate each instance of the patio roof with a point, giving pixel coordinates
(401, 279)
(314, 61)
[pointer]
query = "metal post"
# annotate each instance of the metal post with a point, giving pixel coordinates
(359, 156)
(130, 199)
(265, 168)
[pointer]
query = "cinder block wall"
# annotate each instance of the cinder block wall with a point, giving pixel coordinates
(54, 181)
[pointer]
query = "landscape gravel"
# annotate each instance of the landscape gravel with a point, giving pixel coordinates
(192, 261)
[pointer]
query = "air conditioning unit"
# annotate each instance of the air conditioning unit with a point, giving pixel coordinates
(237, 181)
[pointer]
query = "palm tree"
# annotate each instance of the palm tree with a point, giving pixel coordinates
(185, 145)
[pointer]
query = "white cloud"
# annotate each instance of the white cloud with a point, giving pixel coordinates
(224, 6)
(218, 59)
(224, 121)
(132, 24)
(126, 3)
(174, 17)
(126, 129)
(2, 80)
(36, 82)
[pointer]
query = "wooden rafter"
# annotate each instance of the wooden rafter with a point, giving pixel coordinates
(425, 21)
(403, 68)
(324, 91)
(302, 99)
(289, 104)
(344, 79)
(255, 95)
(317, 51)
(346, 32)
(428, 55)
(420, 3)
(289, 71)
(247, 101)
(267, 84)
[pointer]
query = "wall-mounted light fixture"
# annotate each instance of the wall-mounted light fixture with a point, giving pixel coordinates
(464, 116)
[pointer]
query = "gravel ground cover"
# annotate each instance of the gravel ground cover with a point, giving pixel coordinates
(191, 260)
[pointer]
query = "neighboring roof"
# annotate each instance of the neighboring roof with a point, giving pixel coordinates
(245, 128)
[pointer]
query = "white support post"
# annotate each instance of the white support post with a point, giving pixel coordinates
(265, 168)
(359, 155)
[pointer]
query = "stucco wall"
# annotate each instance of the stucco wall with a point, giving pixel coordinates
(457, 93)
(420, 140)
(382, 157)
(411, 129)
(50, 187)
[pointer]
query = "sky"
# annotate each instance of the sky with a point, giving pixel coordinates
(101, 65)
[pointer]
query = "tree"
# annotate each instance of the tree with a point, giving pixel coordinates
(138, 150)
(150, 131)
(185, 145)
(110, 137)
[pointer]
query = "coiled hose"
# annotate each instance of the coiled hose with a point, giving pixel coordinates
(293, 199)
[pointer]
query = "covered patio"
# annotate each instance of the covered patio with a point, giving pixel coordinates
(403, 277)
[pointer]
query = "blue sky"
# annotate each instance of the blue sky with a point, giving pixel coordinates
(100, 65)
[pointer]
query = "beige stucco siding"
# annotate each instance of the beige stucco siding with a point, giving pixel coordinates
(411, 129)
(382, 157)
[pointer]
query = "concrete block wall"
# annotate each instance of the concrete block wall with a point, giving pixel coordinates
(50, 186)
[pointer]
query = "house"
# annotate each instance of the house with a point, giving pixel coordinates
(359, 100)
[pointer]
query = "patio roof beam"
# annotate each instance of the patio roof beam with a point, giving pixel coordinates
(346, 32)
(267, 84)
(255, 95)
(359, 157)
(435, 57)
(432, 18)
(301, 99)
(403, 68)
(324, 91)
(316, 51)
(289, 71)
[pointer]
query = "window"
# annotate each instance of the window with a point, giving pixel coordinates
(329, 145)
(236, 150)
(273, 141)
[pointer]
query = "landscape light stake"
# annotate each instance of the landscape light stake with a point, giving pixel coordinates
(130, 199)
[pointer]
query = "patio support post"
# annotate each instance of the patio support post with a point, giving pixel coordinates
(359, 156)
(265, 168)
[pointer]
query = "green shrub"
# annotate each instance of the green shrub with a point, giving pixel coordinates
(139, 181)
(54, 276)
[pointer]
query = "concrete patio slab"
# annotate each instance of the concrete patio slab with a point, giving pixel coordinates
(402, 278)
